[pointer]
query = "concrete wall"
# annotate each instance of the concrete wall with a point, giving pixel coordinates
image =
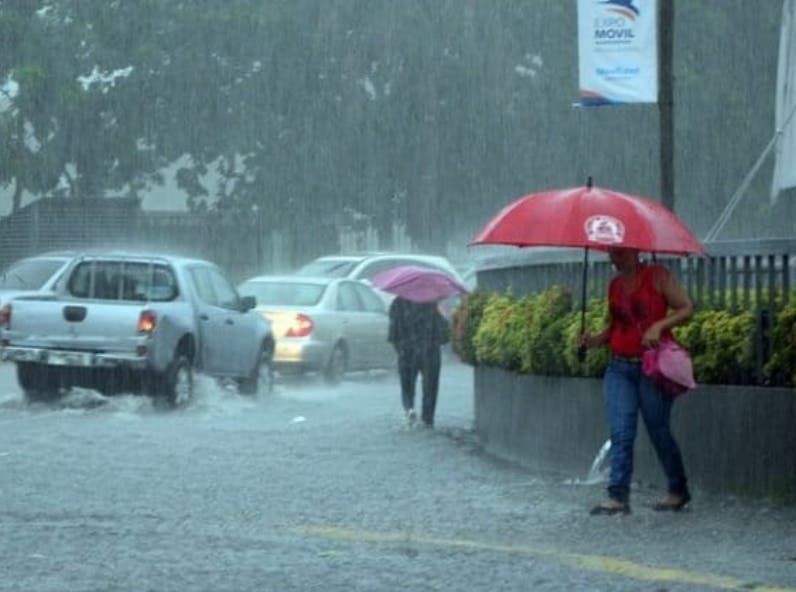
(739, 440)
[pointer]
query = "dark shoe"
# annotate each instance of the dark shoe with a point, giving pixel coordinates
(673, 503)
(609, 508)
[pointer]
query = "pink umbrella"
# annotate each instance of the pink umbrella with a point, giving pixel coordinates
(419, 284)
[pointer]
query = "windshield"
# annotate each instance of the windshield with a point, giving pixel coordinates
(29, 275)
(281, 293)
(328, 268)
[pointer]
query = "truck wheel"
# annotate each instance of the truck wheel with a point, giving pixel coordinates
(261, 380)
(335, 366)
(39, 382)
(176, 385)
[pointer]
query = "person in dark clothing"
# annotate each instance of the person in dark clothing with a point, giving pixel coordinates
(417, 331)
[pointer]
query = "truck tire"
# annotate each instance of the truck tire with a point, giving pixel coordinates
(261, 379)
(176, 385)
(39, 382)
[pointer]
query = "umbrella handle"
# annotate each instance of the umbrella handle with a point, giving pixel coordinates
(582, 347)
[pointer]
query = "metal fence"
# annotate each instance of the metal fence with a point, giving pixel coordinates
(241, 244)
(753, 275)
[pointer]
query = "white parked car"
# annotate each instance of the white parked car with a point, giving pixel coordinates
(367, 266)
(322, 324)
(33, 275)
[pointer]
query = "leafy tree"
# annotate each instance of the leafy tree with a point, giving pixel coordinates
(316, 114)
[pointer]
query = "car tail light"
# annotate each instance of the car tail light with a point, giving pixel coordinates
(300, 326)
(147, 321)
(5, 317)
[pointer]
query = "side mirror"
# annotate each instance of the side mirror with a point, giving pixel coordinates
(247, 303)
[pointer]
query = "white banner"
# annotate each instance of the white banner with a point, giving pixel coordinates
(785, 107)
(617, 51)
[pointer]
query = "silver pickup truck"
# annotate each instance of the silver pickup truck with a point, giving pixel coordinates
(122, 322)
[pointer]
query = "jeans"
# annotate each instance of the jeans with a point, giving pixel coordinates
(426, 362)
(627, 391)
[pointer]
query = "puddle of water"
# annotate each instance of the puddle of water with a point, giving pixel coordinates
(598, 472)
(213, 397)
(210, 397)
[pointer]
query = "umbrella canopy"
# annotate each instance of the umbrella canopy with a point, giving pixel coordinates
(419, 284)
(671, 366)
(590, 217)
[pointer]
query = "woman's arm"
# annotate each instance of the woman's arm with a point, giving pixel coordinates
(597, 340)
(679, 304)
(586, 339)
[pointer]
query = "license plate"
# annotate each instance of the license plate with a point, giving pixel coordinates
(288, 352)
(69, 359)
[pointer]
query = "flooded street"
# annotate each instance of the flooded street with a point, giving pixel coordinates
(336, 187)
(326, 489)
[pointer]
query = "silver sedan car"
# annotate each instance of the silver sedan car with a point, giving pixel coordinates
(322, 324)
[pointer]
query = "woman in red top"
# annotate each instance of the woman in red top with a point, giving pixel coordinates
(645, 303)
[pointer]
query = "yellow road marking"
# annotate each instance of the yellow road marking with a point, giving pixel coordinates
(598, 563)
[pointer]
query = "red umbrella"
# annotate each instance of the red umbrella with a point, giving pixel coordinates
(590, 217)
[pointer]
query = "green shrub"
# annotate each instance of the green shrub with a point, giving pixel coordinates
(781, 368)
(466, 319)
(503, 331)
(544, 353)
(539, 333)
(721, 345)
(519, 333)
(596, 320)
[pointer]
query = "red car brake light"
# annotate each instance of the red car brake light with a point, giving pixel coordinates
(300, 326)
(147, 321)
(5, 317)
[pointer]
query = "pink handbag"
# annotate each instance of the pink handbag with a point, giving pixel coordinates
(670, 366)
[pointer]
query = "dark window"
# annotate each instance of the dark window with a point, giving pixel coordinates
(139, 281)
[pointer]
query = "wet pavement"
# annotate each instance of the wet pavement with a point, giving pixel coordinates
(317, 488)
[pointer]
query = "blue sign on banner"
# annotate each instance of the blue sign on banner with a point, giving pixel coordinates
(618, 51)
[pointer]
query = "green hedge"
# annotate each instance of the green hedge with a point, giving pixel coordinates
(537, 334)
(466, 320)
(781, 367)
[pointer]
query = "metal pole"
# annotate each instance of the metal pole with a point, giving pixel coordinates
(584, 279)
(666, 99)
